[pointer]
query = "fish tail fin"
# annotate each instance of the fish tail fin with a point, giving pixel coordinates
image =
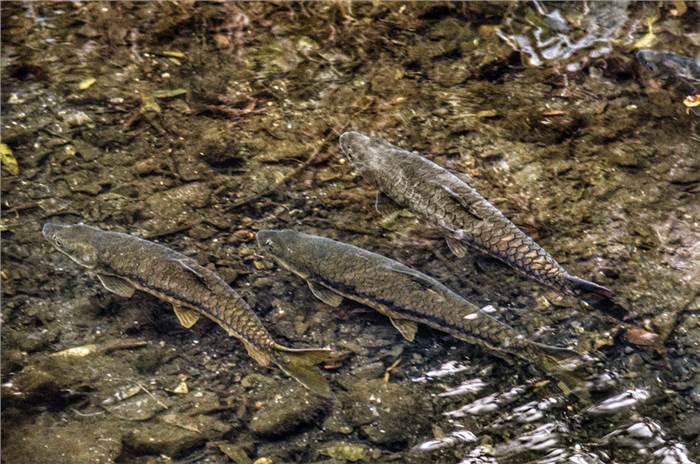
(585, 287)
(561, 364)
(598, 297)
(299, 364)
(556, 352)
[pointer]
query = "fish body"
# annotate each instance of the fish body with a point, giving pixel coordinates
(336, 270)
(673, 68)
(681, 73)
(447, 201)
(124, 263)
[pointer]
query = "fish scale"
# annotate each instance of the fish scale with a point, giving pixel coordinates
(445, 200)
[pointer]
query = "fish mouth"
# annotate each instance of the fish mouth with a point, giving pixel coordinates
(644, 56)
(49, 229)
(261, 237)
(352, 142)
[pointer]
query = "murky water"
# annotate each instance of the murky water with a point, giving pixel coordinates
(198, 124)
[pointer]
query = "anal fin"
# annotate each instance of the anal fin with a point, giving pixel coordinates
(187, 317)
(457, 248)
(117, 285)
(407, 328)
(326, 295)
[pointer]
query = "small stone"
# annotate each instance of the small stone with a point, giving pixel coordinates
(222, 41)
(235, 453)
(175, 435)
(76, 118)
(387, 413)
(244, 235)
(44, 441)
(287, 412)
(87, 151)
(353, 452)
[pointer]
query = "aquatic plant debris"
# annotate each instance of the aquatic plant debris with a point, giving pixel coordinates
(9, 161)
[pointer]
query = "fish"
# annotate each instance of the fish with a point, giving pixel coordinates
(335, 271)
(125, 263)
(446, 200)
(681, 73)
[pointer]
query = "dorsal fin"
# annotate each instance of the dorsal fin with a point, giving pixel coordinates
(463, 201)
(425, 281)
(190, 265)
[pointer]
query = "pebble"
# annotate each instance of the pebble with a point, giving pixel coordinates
(288, 412)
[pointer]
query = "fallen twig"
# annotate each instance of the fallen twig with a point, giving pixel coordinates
(125, 344)
(153, 397)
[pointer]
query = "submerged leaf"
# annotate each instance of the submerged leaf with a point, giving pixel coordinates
(649, 37)
(169, 93)
(76, 352)
(86, 83)
(8, 159)
(149, 104)
(171, 53)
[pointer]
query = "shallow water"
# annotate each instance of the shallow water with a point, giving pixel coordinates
(197, 124)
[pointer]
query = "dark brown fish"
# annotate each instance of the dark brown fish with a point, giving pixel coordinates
(336, 270)
(444, 199)
(124, 263)
(680, 73)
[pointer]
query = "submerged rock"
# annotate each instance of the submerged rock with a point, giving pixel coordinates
(49, 376)
(175, 434)
(41, 442)
(387, 413)
(289, 411)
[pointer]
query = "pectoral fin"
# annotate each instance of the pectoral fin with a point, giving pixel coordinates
(117, 285)
(187, 317)
(407, 328)
(263, 359)
(456, 247)
(466, 204)
(326, 295)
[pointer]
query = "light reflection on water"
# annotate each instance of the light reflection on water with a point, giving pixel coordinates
(542, 438)
(619, 402)
(609, 431)
(488, 404)
(470, 386)
(551, 37)
(449, 440)
(449, 368)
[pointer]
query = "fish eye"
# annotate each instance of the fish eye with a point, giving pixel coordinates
(58, 242)
(269, 244)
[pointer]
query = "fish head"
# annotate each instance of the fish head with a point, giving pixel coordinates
(77, 241)
(367, 153)
(286, 247)
(649, 58)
